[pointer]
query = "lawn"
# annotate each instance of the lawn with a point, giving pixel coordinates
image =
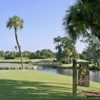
(26, 60)
(16, 62)
(35, 60)
(33, 85)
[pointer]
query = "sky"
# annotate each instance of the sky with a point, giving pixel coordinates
(42, 23)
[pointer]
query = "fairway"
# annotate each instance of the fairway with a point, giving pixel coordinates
(33, 85)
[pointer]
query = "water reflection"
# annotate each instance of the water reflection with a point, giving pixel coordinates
(94, 75)
(64, 72)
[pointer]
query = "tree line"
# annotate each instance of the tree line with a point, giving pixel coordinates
(39, 54)
(65, 52)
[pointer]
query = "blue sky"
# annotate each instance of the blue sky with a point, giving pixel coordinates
(42, 22)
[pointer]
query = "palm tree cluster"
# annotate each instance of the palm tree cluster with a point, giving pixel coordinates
(83, 18)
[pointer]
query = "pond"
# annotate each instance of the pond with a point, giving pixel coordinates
(94, 75)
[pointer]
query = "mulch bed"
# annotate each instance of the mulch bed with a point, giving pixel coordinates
(91, 93)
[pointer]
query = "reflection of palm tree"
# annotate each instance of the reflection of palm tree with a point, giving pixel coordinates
(16, 23)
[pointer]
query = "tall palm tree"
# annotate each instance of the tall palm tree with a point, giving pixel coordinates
(83, 18)
(16, 23)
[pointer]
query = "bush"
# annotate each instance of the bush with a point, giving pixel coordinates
(64, 62)
(9, 57)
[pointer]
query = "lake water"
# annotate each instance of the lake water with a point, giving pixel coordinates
(94, 75)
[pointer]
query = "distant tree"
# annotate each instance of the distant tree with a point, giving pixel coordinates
(92, 51)
(38, 54)
(66, 49)
(57, 41)
(33, 55)
(2, 54)
(26, 54)
(16, 23)
(46, 53)
(42, 54)
(9, 55)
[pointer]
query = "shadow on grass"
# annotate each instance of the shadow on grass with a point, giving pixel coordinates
(25, 90)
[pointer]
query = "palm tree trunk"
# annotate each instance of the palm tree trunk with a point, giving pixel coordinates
(16, 37)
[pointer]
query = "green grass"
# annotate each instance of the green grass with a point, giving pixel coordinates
(82, 60)
(17, 61)
(70, 65)
(39, 60)
(32, 85)
(16, 66)
(66, 65)
(26, 60)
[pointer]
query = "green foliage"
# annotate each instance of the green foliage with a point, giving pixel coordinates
(2, 54)
(65, 49)
(82, 19)
(39, 54)
(9, 55)
(45, 53)
(16, 23)
(26, 53)
(92, 51)
(33, 56)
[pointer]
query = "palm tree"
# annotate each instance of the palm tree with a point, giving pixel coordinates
(83, 18)
(16, 23)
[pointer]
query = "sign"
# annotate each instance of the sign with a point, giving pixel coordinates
(83, 76)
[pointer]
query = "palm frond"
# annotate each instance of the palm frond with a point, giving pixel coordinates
(15, 22)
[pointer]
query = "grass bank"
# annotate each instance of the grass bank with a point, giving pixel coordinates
(17, 65)
(32, 85)
(25, 60)
(32, 60)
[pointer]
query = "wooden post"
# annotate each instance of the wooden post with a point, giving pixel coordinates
(74, 94)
